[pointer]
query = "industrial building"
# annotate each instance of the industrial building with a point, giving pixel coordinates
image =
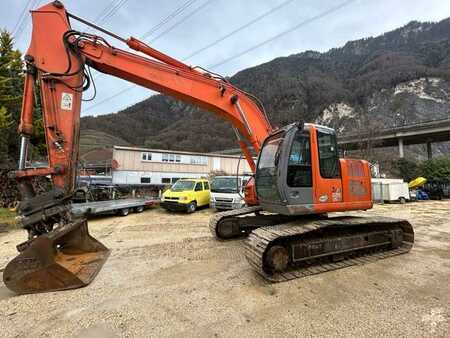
(142, 166)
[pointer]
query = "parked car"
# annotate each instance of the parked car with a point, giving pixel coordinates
(186, 195)
(437, 189)
(227, 192)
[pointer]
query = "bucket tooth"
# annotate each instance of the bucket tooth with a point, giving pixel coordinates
(66, 258)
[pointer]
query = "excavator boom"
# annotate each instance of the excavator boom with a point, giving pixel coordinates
(60, 253)
(299, 177)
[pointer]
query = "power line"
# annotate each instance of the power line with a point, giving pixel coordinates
(105, 10)
(172, 15)
(303, 23)
(197, 52)
(221, 38)
(226, 36)
(23, 21)
(108, 12)
(123, 91)
(168, 29)
(21, 16)
(34, 5)
(114, 9)
(181, 21)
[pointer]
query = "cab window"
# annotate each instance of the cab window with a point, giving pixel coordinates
(206, 185)
(199, 186)
(268, 156)
(328, 155)
(299, 172)
(266, 176)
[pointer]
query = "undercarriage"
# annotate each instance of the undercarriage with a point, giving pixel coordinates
(282, 248)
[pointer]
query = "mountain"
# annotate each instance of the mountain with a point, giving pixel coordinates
(93, 139)
(402, 76)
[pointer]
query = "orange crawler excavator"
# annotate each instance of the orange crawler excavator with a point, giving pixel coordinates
(298, 178)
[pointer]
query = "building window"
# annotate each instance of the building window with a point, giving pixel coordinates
(146, 156)
(146, 180)
(165, 180)
(171, 158)
(203, 160)
(175, 179)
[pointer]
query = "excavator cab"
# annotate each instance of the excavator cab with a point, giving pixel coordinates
(299, 172)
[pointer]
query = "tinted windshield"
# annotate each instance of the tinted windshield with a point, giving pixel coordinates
(183, 186)
(266, 176)
(225, 184)
(269, 152)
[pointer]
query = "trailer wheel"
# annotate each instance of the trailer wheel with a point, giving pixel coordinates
(124, 212)
(402, 200)
(139, 209)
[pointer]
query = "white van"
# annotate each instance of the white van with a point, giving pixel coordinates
(227, 192)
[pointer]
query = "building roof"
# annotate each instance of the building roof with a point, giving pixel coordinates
(177, 152)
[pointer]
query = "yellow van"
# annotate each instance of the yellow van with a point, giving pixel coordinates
(186, 195)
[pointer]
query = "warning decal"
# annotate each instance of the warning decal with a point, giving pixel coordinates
(66, 101)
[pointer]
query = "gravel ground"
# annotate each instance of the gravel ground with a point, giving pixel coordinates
(167, 277)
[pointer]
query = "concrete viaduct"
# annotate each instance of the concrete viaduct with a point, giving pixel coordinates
(419, 133)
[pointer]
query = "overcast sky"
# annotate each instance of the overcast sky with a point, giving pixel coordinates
(198, 23)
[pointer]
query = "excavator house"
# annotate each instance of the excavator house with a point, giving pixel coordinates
(298, 179)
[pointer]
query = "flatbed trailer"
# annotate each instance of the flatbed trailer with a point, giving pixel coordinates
(121, 207)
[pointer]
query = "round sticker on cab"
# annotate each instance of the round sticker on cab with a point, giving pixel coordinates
(323, 198)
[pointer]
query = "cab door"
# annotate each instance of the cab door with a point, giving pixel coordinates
(199, 193)
(327, 173)
(206, 192)
(299, 181)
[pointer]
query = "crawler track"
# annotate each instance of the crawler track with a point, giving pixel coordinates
(234, 231)
(304, 232)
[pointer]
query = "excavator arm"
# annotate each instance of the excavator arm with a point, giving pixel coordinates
(299, 175)
(60, 253)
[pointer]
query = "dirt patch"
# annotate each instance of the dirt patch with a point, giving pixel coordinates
(168, 277)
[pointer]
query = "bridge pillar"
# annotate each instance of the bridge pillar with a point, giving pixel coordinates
(400, 148)
(429, 150)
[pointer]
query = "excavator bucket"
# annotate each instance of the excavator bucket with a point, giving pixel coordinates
(65, 258)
